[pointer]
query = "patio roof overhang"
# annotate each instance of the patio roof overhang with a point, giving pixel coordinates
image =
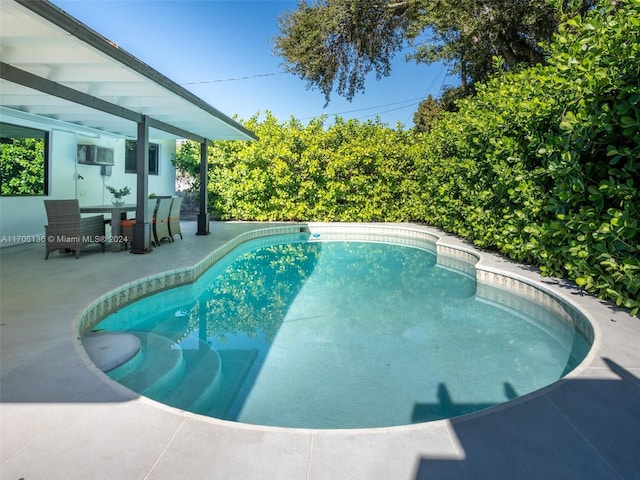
(55, 67)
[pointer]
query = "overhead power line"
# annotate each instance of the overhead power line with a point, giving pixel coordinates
(234, 79)
(408, 102)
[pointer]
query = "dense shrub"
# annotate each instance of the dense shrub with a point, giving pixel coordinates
(541, 164)
(350, 171)
(544, 164)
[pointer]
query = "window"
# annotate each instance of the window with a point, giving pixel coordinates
(130, 160)
(23, 160)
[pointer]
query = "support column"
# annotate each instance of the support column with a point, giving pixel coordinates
(203, 216)
(142, 230)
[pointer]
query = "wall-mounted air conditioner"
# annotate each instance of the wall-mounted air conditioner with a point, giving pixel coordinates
(95, 155)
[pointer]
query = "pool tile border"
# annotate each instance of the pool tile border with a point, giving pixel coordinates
(451, 252)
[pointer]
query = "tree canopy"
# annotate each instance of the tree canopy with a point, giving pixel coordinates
(336, 44)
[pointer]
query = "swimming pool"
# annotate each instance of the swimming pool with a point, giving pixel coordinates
(326, 333)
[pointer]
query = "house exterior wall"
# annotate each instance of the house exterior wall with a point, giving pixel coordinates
(22, 218)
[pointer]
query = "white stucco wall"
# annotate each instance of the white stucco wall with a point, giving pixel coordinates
(23, 218)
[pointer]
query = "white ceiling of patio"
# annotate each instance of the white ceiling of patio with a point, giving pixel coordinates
(42, 57)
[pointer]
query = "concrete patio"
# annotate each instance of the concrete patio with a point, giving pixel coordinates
(62, 418)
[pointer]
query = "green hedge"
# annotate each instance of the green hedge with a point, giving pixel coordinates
(542, 165)
(348, 172)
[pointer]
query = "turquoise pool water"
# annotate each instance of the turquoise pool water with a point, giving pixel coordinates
(300, 332)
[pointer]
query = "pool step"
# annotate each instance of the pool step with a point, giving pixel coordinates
(169, 325)
(200, 383)
(236, 367)
(161, 365)
(109, 350)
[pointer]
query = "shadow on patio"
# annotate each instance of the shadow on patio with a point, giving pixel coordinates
(584, 429)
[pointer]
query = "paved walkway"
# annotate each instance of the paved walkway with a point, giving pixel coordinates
(62, 418)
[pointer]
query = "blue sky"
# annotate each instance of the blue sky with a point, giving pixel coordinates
(222, 51)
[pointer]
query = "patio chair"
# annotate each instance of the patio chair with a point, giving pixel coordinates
(161, 220)
(67, 230)
(126, 226)
(174, 218)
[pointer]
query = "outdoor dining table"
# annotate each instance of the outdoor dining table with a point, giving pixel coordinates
(116, 212)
